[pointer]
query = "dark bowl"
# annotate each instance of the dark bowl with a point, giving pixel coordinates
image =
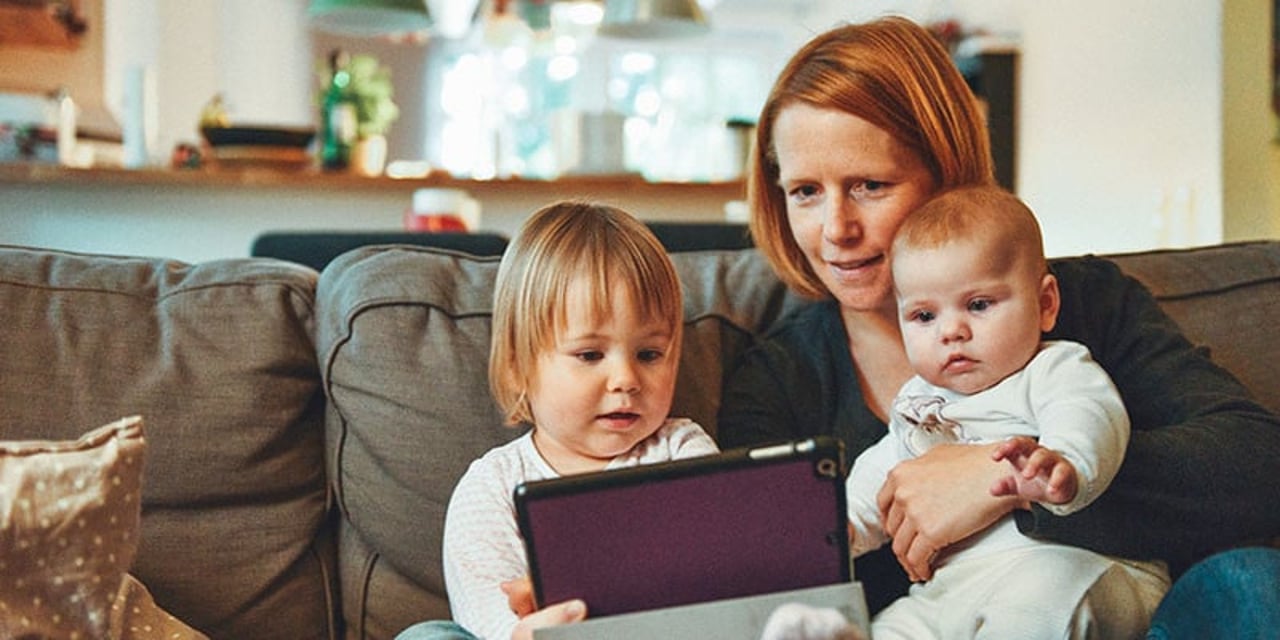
(264, 136)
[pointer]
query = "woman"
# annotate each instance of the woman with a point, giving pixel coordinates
(864, 124)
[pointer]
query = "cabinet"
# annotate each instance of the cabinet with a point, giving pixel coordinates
(993, 77)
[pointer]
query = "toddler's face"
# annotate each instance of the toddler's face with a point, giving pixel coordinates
(604, 386)
(968, 320)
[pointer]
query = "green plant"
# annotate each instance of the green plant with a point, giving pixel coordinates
(369, 87)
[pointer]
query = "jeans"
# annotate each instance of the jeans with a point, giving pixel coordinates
(1234, 594)
(435, 630)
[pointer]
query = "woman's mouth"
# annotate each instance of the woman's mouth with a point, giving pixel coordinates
(846, 268)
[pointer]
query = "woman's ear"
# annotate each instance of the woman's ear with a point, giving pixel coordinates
(1050, 300)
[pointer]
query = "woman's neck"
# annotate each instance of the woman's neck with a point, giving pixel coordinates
(875, 344)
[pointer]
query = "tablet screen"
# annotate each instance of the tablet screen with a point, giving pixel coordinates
(740, 523)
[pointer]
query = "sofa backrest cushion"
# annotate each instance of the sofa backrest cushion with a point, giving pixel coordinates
(404, 341)
(1223, 297)
(218, 358)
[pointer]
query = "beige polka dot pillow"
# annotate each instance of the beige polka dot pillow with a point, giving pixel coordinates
(69, 517)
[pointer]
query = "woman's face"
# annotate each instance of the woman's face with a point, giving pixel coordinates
(848, 185)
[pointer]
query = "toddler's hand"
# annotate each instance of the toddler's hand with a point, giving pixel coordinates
(551, 616)
(520, 598)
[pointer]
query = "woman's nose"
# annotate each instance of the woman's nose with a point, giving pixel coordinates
(842, 223)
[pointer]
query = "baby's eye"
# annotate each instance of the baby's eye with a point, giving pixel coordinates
(589, 356)
(649, 355)
(923, 317)
(981, 304)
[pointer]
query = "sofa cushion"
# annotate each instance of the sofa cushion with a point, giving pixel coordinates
(1220, 295)
(404, 341)
(68, 533)
(218, 358)
(68, 529)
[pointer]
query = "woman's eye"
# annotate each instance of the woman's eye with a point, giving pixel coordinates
(868, 187)
(803, 193)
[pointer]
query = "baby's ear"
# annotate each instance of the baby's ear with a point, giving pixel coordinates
(1050, 301)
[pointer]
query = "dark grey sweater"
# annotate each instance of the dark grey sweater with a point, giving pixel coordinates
(1199, 474)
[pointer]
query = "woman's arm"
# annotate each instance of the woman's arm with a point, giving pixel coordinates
(796, 383)
(1199, 473)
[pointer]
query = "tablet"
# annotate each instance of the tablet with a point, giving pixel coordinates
(740, 523)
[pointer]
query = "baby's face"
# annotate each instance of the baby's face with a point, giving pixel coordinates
(604, 386)
(969, 320)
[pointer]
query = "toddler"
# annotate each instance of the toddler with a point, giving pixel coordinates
(587, 323)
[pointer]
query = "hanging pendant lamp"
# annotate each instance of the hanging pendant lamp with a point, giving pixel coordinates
(368, 18)
(653, 19)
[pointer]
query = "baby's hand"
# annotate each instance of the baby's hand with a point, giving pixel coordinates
(1041, 474)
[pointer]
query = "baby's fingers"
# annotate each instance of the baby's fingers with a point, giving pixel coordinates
(1006, 486)
(1013, 448)
(1062, 484)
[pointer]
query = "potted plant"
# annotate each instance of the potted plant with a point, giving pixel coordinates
(365, 85)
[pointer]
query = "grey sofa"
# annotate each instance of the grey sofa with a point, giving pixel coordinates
(305, 430)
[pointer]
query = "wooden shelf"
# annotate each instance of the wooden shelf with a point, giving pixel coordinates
(56, 175)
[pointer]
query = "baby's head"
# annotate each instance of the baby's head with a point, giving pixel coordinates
(587, 316)
(973, 287)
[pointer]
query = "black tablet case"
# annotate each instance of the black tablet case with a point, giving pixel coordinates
(740, 523)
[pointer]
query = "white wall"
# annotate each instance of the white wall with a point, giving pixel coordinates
(256, 54)
(195, 222)
(1120, 130)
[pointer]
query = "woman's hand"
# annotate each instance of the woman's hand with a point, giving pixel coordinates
(929, 502)
(520, 597)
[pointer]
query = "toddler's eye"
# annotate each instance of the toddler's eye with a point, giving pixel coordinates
(589, 356)
(649, 355)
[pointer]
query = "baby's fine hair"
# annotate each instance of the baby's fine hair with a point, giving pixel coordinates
(558, 246)
(986, 213)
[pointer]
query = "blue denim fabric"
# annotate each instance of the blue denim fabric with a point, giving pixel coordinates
(1234, 594)
(436, 630)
